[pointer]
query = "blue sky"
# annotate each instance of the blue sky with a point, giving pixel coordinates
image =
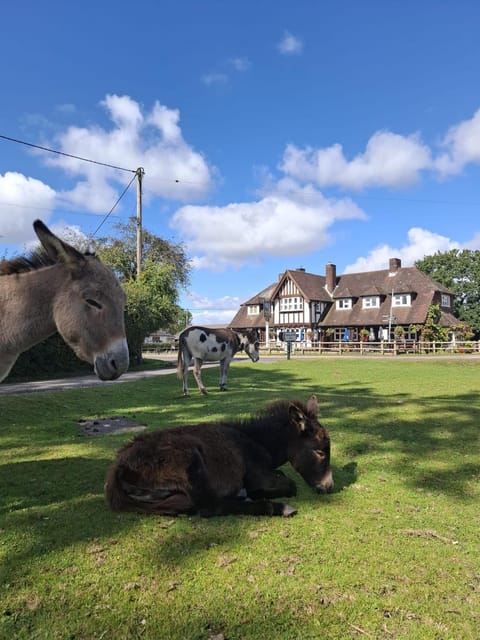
(273, 134)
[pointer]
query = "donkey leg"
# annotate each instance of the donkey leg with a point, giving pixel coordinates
(234, 506)
(185, 364)
(224, 364)
(262, 480)
(207, 503)
(269, 485)
(7, 360)
(198, 376)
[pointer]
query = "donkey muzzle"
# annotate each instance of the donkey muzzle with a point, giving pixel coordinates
(326, 485)
(111, 365)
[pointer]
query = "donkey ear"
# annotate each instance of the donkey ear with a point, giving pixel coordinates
(58, 250)
(297, 417)
(312, 405)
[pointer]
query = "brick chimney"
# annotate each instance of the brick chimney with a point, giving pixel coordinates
(394, 265)
(330, 277)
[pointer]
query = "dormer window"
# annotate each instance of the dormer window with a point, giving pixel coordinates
(344, 303)
(370, 302)
(253, 309)
(446, 300)
(401, 300)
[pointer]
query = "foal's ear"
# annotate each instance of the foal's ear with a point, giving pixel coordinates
(58, 250)
(312, 405)
(297, 417)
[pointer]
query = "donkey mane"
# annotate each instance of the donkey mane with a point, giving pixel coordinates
(22, 264)
(276, 413)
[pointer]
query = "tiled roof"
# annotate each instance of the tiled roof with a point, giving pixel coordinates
(266, 293)
(310, 285)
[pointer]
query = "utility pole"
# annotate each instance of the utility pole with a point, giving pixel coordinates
(139, 173)
(390, 318)
(267, 314)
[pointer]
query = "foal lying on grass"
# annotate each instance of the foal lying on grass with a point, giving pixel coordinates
(223, 468)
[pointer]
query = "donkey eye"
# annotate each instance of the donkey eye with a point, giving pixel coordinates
(93, 303)
(319, 453)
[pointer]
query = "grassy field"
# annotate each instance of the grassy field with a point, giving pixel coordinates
(392, 553)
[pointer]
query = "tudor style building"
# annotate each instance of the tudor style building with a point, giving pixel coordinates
(332, 307)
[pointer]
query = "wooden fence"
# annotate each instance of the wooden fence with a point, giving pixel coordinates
(394, 347)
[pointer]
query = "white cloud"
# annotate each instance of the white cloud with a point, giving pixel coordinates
(222, 75)
(152, 140)
(389, 160)
(66, 108)
(473, 244)
(462, 146)
(288, 220)
(208, 311)
(421, 243)
(211, 79)
(240, 63)
(22, 200)
(290, 44)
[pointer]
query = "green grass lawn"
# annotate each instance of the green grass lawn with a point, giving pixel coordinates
(392, 553)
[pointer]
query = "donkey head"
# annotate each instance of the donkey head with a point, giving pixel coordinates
(249, 343)
(88, 306)
(309, 450)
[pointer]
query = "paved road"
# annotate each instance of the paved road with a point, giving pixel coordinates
(78, 382)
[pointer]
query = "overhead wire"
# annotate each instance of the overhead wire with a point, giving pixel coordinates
(112, 209)
(62, 153)
(102, 164)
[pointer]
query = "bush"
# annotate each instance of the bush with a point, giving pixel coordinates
(46, 359)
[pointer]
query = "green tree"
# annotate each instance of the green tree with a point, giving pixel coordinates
(152, 299)
(460, 272)
(432, 331)
(184, 320)
(120, 252)
(151, 303)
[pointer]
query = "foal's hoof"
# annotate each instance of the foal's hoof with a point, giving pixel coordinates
(204, 392)
(288, 511)
(223, 388)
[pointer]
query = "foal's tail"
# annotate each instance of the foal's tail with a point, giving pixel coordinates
(180, 361)
(122, 495)
(115, 496)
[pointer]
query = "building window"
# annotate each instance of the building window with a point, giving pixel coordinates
(445, 300)
(344, 303)
(291, 304)
(401, 300)
(253, 309)
(371, 302)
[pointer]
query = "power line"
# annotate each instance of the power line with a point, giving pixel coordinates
(102, 164)
(67, 155)
(58, 211)
(111, 210)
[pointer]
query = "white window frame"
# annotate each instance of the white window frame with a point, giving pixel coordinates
(371, 302)
(343, 304)
(253, 310)
(402, 300)
(446, 300)
(292, 303)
